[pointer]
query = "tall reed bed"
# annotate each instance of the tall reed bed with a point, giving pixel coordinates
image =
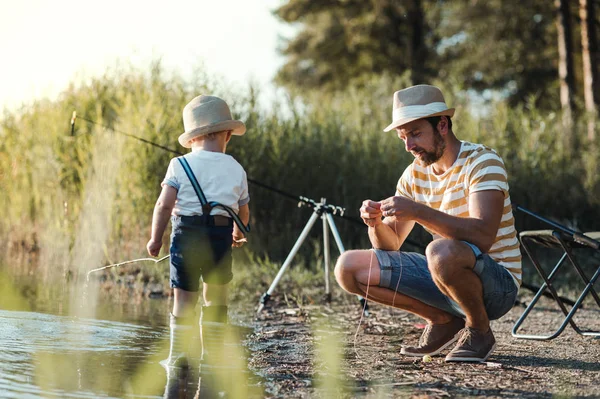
(323, 145)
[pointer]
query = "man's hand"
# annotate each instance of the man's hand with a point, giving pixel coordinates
(370, 212)
(153, 247)
(401, 208)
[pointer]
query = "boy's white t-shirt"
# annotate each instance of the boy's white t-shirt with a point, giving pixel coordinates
(221, 178)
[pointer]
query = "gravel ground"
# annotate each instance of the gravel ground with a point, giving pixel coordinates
(364, 360)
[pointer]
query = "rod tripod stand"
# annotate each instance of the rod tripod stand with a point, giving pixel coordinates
(325, 212)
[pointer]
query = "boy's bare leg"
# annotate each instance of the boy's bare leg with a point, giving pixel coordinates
(181, 326)
(184, 302)
(213, 323)
(215, 294)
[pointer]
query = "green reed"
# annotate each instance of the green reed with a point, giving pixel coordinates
(323, 145)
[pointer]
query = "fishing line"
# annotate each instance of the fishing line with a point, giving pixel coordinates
(401, 267)
(369, 283)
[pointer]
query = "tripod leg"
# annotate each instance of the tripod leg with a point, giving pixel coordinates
(336, 234)
(288, 260)
(326, 255)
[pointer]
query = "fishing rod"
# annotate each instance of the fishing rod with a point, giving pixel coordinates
(143, 140)
(309, 203)
(125, 263)
(301, 200)
(578, 237)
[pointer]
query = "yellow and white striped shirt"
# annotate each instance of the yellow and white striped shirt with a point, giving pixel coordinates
(477, 168)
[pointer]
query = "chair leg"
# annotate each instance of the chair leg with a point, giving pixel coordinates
(577, 267)
(589, 288)
(547, 285)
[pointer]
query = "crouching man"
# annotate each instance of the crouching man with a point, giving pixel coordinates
(471, 271)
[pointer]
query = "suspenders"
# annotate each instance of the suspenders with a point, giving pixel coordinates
(206, 205)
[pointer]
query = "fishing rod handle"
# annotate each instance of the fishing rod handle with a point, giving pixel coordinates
(585, 240)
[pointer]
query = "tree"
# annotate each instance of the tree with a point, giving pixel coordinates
(589, 53)
(519, 50)
(565, 67)
(343, 41)
(505, 46)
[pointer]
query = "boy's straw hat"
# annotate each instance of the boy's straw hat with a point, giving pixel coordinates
(208, 114)
(417, 102)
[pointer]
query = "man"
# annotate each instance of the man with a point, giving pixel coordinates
(457, 191)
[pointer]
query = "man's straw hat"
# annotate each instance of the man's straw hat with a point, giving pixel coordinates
(417, 102)
(208, 114)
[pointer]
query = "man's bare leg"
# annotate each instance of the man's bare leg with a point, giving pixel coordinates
(451, 264)
(358, 272)
(355, 270)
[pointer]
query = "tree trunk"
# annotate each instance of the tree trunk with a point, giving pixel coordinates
(565, 69)
(419, 53)
(590, 70)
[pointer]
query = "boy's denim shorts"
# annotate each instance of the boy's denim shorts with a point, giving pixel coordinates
(199, 250)
(408, 274)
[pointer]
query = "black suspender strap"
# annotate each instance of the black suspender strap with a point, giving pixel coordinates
(206, 208)
(206, 205)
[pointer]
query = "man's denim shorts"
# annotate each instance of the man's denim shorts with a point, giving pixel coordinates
(408, 274)
(199, 250)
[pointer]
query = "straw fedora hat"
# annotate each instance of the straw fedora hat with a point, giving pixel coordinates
(208, 114)
(417, 102)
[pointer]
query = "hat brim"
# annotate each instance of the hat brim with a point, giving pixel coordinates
(237, 128)
(403, 121)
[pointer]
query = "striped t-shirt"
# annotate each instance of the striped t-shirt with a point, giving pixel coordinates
(477, 168)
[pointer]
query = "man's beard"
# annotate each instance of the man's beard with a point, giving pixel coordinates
(430, 157)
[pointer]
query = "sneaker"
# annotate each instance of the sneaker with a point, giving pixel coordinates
(473, 346)
(435, 338)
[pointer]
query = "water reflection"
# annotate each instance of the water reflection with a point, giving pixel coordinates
(182, 383)
(227, 377)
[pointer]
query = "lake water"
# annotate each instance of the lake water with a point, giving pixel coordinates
(60, 356)
(45, 352)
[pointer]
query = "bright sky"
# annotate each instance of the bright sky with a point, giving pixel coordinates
(45, 44)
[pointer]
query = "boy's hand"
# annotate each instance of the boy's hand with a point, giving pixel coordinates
(153, 247)
(238, 239)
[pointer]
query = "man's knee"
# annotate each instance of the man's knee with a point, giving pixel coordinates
(345, 270)
(445, 257)
(343, 266)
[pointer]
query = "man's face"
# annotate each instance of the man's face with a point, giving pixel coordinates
(422, 140)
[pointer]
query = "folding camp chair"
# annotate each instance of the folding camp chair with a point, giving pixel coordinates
(567, 240)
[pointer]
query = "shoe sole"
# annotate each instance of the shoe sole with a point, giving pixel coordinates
(471, 359)
(436, 352)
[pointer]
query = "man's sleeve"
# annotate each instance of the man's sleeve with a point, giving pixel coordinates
(488, 173)
(245, 196)
(171, 177)
(404, 186)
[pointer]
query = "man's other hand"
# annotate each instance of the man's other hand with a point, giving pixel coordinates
(401, 208)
